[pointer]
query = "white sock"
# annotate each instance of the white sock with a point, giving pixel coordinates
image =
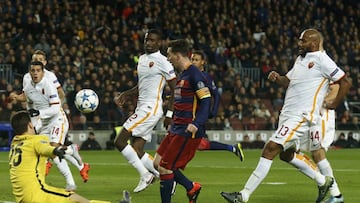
(64, 170)
(148, 162)
(129, 153)
(325, 169)
(308, 168)
(75, 153)
(74, 161)
(256, 177)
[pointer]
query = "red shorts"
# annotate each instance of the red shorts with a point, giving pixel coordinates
(176, 151)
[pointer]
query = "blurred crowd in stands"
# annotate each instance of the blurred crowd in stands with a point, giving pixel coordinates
(96, 44)
(344, 141)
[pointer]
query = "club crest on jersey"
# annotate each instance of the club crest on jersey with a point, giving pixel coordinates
(151, 64)
(200, 85)
(310, 65)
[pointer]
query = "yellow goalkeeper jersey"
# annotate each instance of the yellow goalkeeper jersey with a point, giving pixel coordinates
(27, 160)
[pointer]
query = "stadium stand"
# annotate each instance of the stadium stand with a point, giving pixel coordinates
(95, 44)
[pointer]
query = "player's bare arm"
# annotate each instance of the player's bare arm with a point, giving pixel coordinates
(333, 90)
(278, 79)
(344, 86)
(17, 97)
(170, 104)
(61, 95)
(120, 99)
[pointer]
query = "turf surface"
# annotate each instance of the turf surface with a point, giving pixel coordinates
(217, 171)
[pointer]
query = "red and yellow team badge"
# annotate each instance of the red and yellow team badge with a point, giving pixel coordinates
(151, 64)
(310, 65)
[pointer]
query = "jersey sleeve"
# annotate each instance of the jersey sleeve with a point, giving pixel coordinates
(291, 71)
(42, 145)
(330, 69)
(198, 83)
(26, 80)
(214, 94)
(52, 77)
(167, 69)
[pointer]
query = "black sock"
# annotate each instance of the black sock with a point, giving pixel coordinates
(183, 180)
(165, 190)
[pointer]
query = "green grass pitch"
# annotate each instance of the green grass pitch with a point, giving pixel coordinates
(217, 171)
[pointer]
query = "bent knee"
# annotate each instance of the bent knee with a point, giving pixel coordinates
(121, 140)
(287, 155)
(271, 150)
(156, 161)
(164, 171)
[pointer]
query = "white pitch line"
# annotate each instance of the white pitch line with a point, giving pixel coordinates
(274, 183)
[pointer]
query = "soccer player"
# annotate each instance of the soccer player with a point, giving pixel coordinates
(75, 158)
(153, 71)
(44, 106)
(191, 110)
(198, 58)
(27, 158)
(307, 84)
(322, 136)
(39, 55)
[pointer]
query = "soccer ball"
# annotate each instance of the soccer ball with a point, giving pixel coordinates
(86, 101)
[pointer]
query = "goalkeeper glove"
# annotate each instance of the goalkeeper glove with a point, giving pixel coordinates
(60, 152)
(34, 112)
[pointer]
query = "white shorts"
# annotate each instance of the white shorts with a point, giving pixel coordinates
(322, 134)
(142, 122)
(56, 128)
(291, 131)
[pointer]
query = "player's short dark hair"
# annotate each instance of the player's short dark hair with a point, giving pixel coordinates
(19, 122)
(201, 54)
(37, 63)
(156, 32)
(179, 46)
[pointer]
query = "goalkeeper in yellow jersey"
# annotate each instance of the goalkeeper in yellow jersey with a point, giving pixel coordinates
(27, 159)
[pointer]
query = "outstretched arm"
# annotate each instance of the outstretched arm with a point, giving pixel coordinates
(278, 79)
(17, 97)
(121, 98)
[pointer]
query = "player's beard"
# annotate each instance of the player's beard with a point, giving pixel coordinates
(303, 52)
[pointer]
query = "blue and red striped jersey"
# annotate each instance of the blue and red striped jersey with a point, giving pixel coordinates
(192, 102)
(214, 94)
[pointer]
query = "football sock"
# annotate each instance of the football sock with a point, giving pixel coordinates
(166, 186)
(220, 146)
(98, 201)
(65, 171)
(129, 153)
(325, 169)
(256, 177)
(76, 154)
(148, 162)
(74, 161)
(308, 168)
(183, 180)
